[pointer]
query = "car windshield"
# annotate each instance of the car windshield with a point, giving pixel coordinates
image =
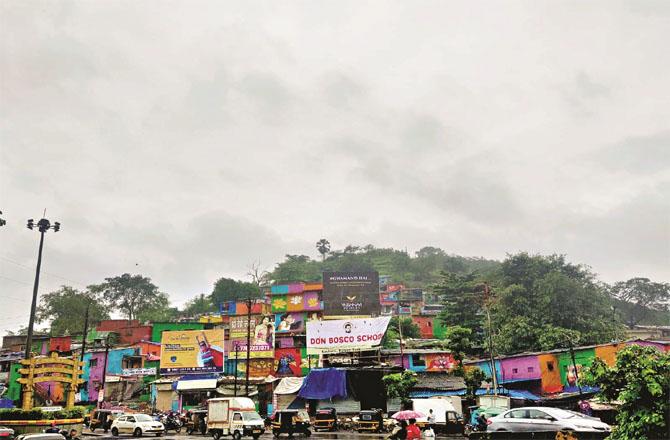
(143, 418)
(251, 416)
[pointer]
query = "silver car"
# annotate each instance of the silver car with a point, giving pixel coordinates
(535, 419)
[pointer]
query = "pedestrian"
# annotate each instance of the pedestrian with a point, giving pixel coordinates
(413, 431)
(401, 433)
(431, 419)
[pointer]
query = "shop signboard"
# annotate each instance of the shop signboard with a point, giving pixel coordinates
(138, 371)
(351, 293)
(191, 351)
(345, 334)
(262, 336)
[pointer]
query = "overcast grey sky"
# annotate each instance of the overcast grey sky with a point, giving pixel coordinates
(184, 140)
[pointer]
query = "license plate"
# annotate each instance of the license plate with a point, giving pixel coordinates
(256, 431)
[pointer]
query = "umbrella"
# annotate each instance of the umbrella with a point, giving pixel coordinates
(406, 415)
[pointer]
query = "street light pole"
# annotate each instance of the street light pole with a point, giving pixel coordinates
(43, 226)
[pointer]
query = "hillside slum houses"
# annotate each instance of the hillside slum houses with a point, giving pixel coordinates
(310, 345)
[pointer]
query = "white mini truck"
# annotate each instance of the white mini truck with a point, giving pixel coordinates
(234, 416)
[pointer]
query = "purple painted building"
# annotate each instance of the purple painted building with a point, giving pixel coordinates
(520, 368)
(93, 371)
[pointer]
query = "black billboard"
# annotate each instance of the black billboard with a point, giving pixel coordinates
(351, 293)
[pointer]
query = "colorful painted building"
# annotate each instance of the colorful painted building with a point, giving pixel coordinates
(159, 327)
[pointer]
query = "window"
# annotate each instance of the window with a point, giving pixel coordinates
(550, 366)
(530, 369)
(515, 370)
(237, 417)
(539, 415)
(517, 414)
(130, 419)
(93, 363)
(418, 361)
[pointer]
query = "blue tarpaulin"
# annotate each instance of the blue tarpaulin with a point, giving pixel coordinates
(323, 384)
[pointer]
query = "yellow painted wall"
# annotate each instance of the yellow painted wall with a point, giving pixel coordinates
(551, 379)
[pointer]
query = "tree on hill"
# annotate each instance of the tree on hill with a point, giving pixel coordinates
(133, 295)
(539, 294)
(323, 246)
(463, 298)
(198, 305)
(65, 310)
(644, 297)
(228, 289)
(392, 336)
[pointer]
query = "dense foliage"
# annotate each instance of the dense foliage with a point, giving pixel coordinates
(642, 299)
(76, 412)
(65, 309)
(421, 270)
(392, 336)
(473, 378)
(133, 295)
(640, 380)
(535, 302)
(228, 289)
(399, 385)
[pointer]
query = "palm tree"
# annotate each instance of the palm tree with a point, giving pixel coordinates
(323, 246)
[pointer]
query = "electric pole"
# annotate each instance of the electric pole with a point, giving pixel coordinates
(83, 339)
(493, 362)
(246, 386)
(42, 226)
(104, 371)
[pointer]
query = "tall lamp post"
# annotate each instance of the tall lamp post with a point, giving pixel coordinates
(42, 226)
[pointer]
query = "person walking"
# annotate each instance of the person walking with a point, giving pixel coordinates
(431, 419)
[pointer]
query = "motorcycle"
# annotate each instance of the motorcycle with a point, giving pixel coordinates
(171, 423)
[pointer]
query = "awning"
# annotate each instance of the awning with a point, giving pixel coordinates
(199, 384)
(289, 385)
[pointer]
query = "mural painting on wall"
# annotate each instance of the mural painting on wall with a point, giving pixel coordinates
(287, 362)
(571, 378)
(306, 301)
(259, 367)
(290, 322)
(440, 362)
(308, 361)
(262, 337)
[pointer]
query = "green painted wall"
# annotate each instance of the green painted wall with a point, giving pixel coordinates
(439, 329)
(582, 357)
(160, 327)
(14, 388)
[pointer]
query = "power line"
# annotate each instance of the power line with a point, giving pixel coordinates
(44, 272)
(16, 281)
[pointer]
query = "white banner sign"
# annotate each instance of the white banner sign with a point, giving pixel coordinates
(139, 371)
(345, 334)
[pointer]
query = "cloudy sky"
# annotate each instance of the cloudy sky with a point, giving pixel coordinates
(184, 140)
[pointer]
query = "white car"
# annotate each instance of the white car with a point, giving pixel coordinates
(137, 425)
(538, 419)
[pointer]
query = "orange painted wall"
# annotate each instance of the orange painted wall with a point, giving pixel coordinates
(551, 379)
(608, 353)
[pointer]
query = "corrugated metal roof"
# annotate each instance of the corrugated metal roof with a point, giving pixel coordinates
(439, 381)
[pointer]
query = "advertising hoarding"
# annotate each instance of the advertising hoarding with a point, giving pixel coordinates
(261, 334)
(345, 334)
(191, 351)
(351, 293)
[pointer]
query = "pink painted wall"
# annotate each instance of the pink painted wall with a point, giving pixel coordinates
(527, 368)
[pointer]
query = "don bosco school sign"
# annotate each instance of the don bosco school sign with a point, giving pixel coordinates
(351, 293)
(345, 334)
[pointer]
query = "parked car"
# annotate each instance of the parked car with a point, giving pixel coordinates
(43, 436)
(137, 425)
(6, 433)
(537, 419)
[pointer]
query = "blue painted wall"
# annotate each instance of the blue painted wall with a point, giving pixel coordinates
(485, 366)
(115, 358)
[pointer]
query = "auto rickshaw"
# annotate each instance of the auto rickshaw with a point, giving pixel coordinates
(103, 418)
(370, 420)
(291, 421)
(453, 423)
(326, 419)
(197, 423)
